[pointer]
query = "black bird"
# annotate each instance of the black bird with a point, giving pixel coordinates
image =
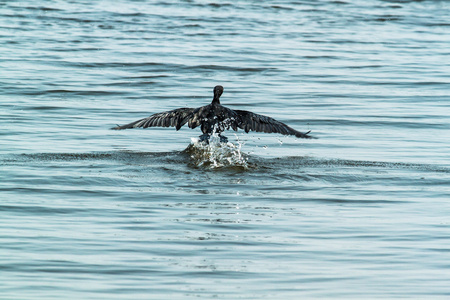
(215, 118)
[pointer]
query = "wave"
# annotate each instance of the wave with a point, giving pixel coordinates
(216, 156)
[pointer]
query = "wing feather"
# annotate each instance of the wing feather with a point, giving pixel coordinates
(175, 118)
(250, 121)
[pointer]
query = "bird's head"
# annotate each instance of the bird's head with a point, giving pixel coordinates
(218, 90)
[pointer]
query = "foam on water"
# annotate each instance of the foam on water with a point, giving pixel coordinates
(216, 154)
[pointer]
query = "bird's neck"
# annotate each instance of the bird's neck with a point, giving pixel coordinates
(216, 100)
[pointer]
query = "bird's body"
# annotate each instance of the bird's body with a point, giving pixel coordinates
(215, 118)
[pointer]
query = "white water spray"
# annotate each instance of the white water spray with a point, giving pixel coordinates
(216, 154)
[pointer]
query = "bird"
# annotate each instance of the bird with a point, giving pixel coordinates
(214, 119)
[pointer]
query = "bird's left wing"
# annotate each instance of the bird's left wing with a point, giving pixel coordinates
(250, 121)
(174, 118)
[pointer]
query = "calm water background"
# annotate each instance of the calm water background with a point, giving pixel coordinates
(90, 213)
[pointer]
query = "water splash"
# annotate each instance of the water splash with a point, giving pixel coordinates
(216, 154)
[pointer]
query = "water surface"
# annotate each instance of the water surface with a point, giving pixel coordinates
(91, 213)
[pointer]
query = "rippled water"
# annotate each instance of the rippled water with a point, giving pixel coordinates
(91, 213)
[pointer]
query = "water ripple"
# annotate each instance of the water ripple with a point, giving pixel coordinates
(88, 213)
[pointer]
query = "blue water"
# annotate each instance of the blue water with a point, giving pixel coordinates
(91, 213)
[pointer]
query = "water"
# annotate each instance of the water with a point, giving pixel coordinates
(91, 213)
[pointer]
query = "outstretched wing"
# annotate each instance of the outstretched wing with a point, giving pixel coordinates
(250, 121)
(174, 118)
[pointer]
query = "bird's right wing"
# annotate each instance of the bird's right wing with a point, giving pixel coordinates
(174, 118)
(250, 121)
